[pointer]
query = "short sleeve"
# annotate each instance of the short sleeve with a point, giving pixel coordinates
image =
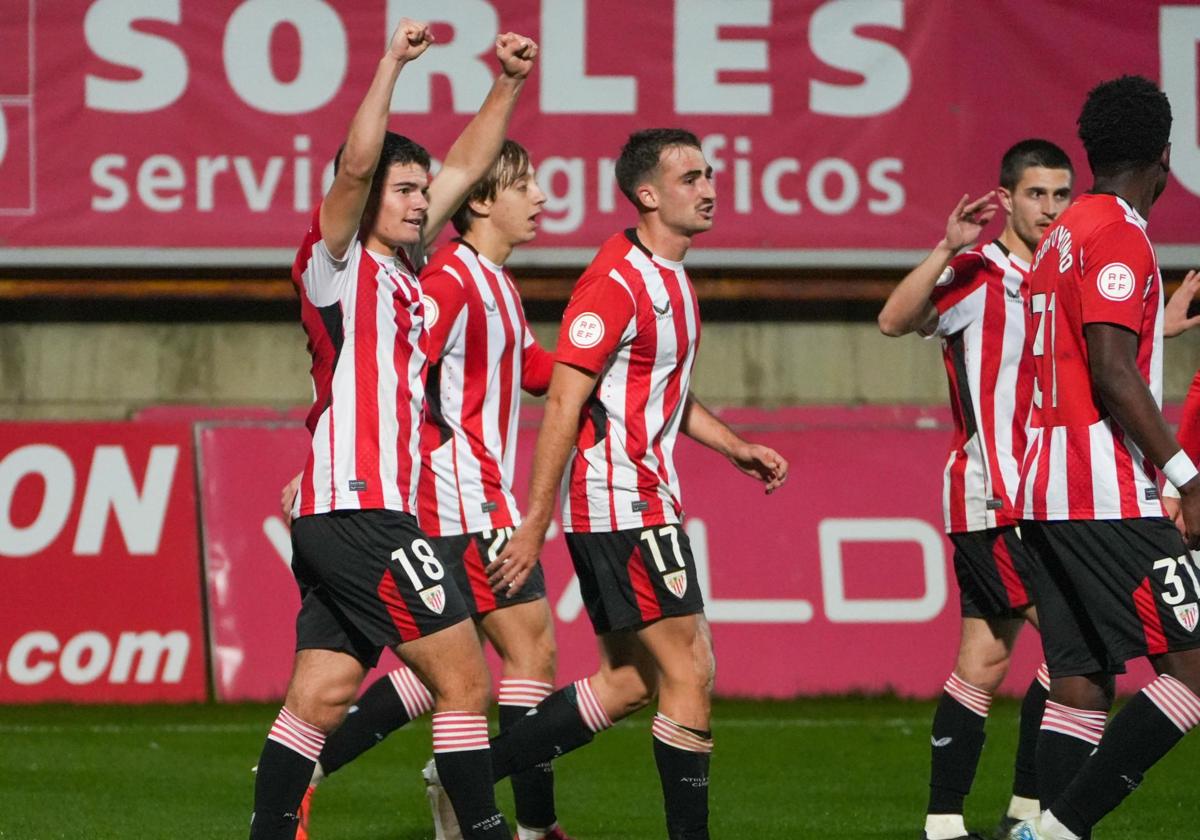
(536, 365)
(323, 277)
(594, 324)
(1118, 263)
(444, 300)
(954, 295)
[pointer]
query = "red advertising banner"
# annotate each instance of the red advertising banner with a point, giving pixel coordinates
(840, 131)
(98, 548)
(842, 581)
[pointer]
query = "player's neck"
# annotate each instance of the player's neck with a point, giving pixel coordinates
(1138, 189)
(1015, 244)
(661, 240)
(488, 243)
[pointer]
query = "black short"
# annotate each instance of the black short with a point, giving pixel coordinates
(369, 579)
(993, 571)
(1110, 591)
(467, 557)
(631, 578)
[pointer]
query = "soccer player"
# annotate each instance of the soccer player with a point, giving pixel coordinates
(481, 355)
(368, 576)
(619, 394)
(973, 298)
(1114, 579)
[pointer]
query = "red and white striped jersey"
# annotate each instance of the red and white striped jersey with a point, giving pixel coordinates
(1095, 265)
(481, 354)
(632, 319)
(980, 299)
(366, 333)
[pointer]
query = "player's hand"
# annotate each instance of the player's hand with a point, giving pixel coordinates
(968, 220)
(288, 497)
(512, 567)
(1189, 512)
(516, 54)
(1175, 319)
(761, 462)
(1174, 512)
(410, 39)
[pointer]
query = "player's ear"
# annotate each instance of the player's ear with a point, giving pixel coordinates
(1006, 199)
(481, 208)
(648, 196)
(1165, 160)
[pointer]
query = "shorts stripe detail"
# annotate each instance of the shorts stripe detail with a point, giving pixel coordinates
(459, 732)
(296, 735)
(523, 693)
(1043, 676)
(1176, 701)
(975, 699)
(413, 694)
(389, 593)
(481, 587)
(1076, 723)
(1147, 610)
(681, 737)
(593, 714)
(643, 589)
(1013, 585)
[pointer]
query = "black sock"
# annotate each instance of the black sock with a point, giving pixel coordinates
(533, 788)
(555, 727)
(1068, 736)
(1025, 771)
(956, 743)
(460, 750)
(379, 712)
(284, 770)
(1142, 733)
(682, 755)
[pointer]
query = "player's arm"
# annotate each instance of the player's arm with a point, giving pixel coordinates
(342, 208)
(570, 388)
(472, 154)
(1175, 317)
(754, 459)
(1112, 360)
(1189, 439)
(537, 365)
(909, 307)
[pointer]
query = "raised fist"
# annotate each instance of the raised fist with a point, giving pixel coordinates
(516, 54)
(410, 39)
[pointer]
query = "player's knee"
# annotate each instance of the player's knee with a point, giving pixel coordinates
(630, 689)
(984, 674)
(534, 660)
(463, 689)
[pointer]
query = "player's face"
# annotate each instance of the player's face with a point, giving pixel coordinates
(402, 205)
(1037, 200)
(684, 190)
(515, 210)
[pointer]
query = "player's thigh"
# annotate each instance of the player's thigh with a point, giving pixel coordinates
(523, 635)
(682, 649)
(450, 663)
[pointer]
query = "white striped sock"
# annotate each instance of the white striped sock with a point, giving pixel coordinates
(296, 735)
(975, 699)
(1176, 701)
(593, 714)
(1077, 723)
(679, 736)
(523, 693)
(459, 732)
(413, 694)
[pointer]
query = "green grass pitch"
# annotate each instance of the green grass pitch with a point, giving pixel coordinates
(836, 768)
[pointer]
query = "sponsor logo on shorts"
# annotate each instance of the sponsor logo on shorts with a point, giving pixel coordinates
(1188, 614)
(488, 507)
(357, 485)
(431, 311)
(1115, 281)
(676, 582)
(586, 330)
(639, 506)
(434, 598)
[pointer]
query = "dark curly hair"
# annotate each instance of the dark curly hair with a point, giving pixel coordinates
(1125, 124)
(641, 152)
(1028, 153)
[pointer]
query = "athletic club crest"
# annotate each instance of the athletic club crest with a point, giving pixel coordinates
(676, 582)
(1188, 614)
(434, 598)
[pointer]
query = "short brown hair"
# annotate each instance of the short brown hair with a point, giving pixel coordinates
(509, 167)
